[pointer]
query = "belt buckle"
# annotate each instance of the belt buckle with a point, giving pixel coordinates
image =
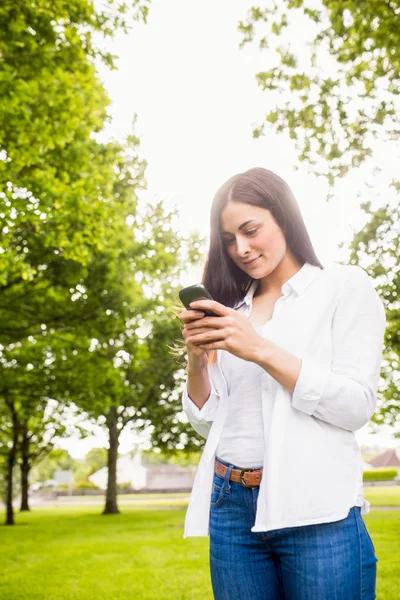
(242, 481)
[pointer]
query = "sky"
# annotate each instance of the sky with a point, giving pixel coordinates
(196, 99)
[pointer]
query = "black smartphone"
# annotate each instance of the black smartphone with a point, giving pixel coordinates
(196, 292)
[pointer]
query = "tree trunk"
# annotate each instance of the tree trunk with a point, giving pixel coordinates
(11, 460)
(25, 468)
(9, 486)
(111, 506)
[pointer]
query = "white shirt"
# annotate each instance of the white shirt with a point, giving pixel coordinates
(242, 440)
(334, 321)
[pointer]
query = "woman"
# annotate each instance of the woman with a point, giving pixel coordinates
(278, 383)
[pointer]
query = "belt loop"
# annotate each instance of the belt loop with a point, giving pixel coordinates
(226, 486)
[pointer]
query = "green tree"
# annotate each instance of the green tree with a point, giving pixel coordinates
(335, 96)
(377, 247)
(83, 267)
(55, 177)
(122, 372)
(58, 184)
(184, 458)
(57, 459)
(31, 419)
(338, 89)
(95, 460)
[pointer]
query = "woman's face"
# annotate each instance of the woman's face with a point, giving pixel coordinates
(252, 238)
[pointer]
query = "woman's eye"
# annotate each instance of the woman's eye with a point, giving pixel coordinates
(250, 233)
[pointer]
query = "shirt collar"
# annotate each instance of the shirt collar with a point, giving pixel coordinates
(297, 283)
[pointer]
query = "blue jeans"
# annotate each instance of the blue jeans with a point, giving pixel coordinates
(327, 561)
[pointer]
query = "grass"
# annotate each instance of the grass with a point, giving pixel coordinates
(72, 553)
(383, 495)
(69, 553)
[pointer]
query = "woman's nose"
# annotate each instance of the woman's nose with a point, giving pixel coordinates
(242, 246)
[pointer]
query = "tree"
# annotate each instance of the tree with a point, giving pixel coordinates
(95, 460)
(30, 419)
(337, 92)
(335, 104)
(129, 375)
(57, 181)
(55, 177)
(377, 247)
(84, 268)
(57, 459)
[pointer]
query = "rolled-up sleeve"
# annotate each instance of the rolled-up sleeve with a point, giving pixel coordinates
(201, 419)
(345, 394)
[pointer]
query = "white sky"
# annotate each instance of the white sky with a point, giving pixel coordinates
(196, 98)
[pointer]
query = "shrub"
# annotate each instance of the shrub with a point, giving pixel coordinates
(85, 485)
(384, 474)
(62, 487)
(124, 486)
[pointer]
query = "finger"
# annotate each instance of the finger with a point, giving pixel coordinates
(213, 322)
(192, 332)
(212, 346)
(190, 315)
(190, 335)
(205, 338)
(209, 322)
(216, 307)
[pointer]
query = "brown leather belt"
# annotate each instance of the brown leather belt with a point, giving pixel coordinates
(247, 477)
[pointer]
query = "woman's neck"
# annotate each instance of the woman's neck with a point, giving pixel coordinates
(272, 283)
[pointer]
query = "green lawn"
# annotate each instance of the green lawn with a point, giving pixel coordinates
(384, 495)
(75, 553)
(69, 553)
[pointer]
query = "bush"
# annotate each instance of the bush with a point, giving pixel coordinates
(85, 485)
(62, 487)
(124, 486)
(384, 474)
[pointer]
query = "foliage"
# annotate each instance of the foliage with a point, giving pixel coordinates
(333, 76)
(84, 265)
(184, 458)
(85, 485)
(377, 247)
(94, 460)
(59, 459)
(333, 85)
(56, 179)
(384, 474)
(56, 460)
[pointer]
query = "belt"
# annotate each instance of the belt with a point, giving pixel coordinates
(248, 477)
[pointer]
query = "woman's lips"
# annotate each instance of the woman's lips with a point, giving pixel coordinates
(251, 263)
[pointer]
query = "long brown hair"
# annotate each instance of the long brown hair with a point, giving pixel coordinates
(224, 280)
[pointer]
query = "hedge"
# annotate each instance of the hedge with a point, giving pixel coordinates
(383, 474)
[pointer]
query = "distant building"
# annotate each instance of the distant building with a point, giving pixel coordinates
(366, 466)
(169, 477)
(389, 458)
(130, 470)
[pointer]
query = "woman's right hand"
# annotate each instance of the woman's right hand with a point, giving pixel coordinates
(196, 356)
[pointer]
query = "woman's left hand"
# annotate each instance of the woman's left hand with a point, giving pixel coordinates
(231, 331)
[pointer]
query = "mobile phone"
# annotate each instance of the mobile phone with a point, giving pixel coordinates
(196, 292)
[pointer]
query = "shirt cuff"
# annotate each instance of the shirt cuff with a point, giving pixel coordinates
(309, 387)
(206, 413)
